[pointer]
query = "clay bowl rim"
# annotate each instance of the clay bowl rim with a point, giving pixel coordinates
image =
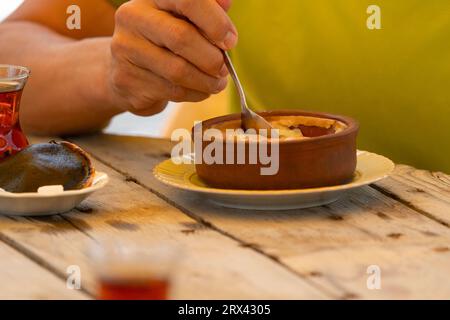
(352, 124)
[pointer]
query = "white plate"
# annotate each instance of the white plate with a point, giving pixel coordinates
(38, 204)
(370, 168)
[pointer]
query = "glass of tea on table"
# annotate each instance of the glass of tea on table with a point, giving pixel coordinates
(12, 82)
(127, 271)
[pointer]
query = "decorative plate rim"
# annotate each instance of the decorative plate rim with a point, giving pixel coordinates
(209, 190)
(100, 180)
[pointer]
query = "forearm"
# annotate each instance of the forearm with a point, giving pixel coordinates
(68, 89)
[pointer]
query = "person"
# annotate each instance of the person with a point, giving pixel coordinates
(316, 55)
(135, 59)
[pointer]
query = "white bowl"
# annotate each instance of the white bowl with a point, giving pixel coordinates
(48, 200)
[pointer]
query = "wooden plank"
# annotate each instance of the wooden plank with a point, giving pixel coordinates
(428, 192)
(21, 278)
(214, 266)
(332, 246)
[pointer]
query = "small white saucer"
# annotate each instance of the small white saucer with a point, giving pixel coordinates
(48, 200)
(370, 168)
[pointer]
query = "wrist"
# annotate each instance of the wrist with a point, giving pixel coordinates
(93, 71)
(101, 90)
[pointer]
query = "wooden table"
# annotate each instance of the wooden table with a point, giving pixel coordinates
(400, 224)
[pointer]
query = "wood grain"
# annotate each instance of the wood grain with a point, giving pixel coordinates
(330, 246)
(213, 266)
(425, 191)
(21, 278)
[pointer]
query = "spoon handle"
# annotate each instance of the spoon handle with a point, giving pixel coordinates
(236, 81)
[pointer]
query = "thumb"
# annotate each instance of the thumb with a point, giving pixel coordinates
(225, 4)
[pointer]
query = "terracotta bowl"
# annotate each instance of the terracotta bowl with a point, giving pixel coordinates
(325, 159)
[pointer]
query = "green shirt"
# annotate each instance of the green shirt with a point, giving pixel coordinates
(320, 55)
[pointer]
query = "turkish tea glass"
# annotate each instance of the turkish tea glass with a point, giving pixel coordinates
(12, 82)
(126, 271)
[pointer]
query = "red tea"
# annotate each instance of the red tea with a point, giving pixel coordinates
(129, 289)
(12, 139)
(133, 271)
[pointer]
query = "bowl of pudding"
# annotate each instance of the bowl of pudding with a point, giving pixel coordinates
(307, 150)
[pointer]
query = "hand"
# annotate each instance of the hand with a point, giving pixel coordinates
(169, 50)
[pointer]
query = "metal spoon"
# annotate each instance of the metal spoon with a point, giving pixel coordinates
(249, 119)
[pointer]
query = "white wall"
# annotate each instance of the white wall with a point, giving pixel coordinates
(8, 6)
(129, 124)
(125, 123)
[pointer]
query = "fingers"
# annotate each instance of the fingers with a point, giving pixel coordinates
(140, 89)
(208, 16)
(171, 67)
(158, 55)
(183, 39)
(225, 4)
(153, 108)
